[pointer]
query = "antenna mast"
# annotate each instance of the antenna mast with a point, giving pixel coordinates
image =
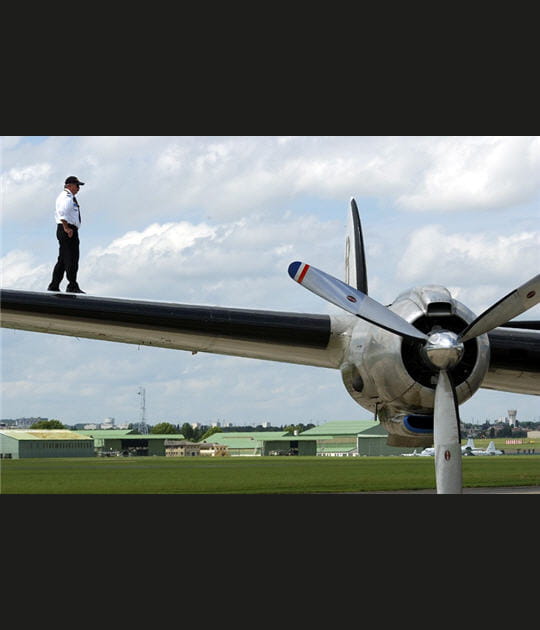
(143, 427)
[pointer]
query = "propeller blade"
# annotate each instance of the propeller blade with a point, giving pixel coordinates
(351, 300)
(355, 257)
(446, 438)
(518, 301)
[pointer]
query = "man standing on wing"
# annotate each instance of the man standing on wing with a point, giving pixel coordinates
(68, 219)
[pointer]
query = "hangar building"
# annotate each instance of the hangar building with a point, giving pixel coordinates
(17, 443)
(352, 437)
(264, 443)
(339, 438)
(109, 442)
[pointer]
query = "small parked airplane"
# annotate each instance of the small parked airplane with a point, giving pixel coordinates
(411, 363)
(467, 450)
(471, 449)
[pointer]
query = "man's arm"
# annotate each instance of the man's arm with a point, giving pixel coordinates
(67, 229)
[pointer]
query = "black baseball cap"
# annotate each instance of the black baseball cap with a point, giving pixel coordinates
(73, 180)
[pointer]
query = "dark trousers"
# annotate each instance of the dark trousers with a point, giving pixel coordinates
(68, 257)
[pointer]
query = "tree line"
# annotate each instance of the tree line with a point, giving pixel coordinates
(203, 432)
(190, 433)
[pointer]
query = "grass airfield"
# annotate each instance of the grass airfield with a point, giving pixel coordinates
(252, 475)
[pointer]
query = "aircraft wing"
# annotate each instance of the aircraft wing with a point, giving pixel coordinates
(306, 339)
(514, 364)
(302, 338)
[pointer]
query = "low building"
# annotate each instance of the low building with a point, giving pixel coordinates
(238, 443)
(18, 443)
(181, 448)
(185, 448)
(212, 449)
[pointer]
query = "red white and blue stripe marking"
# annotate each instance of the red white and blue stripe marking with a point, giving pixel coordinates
(298, 270)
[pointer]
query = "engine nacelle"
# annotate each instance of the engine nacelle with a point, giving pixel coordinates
(389, 375)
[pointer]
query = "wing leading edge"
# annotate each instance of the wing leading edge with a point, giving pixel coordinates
(276, 336)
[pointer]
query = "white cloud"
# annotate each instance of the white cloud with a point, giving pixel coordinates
(157, 239)
(478, 268)
(19, 269)
(200, 263)
(160, 177)
(476, 173)
(21, 188)
(459, 257)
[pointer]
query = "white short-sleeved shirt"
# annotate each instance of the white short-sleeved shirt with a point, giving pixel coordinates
(67, 208)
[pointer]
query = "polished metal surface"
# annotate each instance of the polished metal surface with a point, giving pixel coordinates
(443, 349)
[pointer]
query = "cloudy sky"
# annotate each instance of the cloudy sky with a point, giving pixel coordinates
(217, 220)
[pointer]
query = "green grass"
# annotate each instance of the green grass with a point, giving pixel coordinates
(251, 475)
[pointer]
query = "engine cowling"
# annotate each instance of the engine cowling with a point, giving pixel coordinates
(389, 374)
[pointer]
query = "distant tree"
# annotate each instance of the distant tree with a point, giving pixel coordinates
(164, 427)
(187, 431)
(505, 431)
(48, 424)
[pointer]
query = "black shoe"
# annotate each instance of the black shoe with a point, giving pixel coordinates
(74, 289)
(51, 287)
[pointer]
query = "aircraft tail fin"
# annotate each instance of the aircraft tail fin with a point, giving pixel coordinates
(355, 260)
(491, 447)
